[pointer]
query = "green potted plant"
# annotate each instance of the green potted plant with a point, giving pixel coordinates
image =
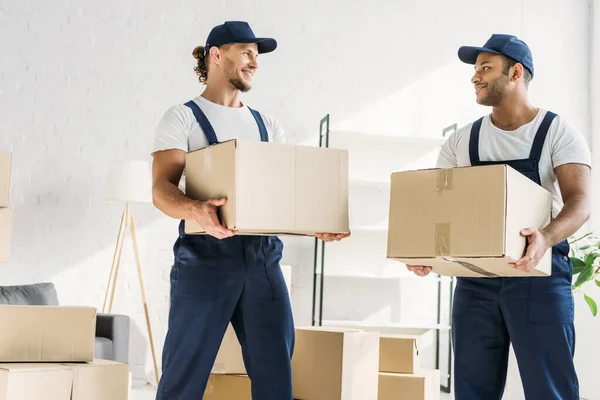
(585, 256)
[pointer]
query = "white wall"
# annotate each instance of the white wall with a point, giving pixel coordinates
(83, 83)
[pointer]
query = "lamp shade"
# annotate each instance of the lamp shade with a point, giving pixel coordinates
(128, 181)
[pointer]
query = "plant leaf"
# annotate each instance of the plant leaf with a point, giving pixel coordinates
(597, 283)
(585, 275)
(578, 265)
(590, 258)
(586, 246)
(592, 304)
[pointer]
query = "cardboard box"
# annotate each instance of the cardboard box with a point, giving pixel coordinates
(228, 387)
(99, 380)
(271, 188)
(335, 364)
(6, 229)
(47, 333)
(400, 349)
(399, 353)
(466, 221)
(5, 167)
(423, 385)
(229, 358)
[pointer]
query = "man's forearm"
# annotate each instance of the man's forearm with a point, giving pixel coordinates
(574, 214)
(168, 198)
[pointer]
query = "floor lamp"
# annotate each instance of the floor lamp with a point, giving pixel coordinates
(128, 182)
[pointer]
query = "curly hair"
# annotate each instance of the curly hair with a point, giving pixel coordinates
(201, 67)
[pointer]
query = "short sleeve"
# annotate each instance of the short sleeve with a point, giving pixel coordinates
(569, 146)
(172, 131)
(274, 129)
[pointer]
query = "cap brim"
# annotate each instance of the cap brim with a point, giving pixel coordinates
(265, 45)
(468, 54)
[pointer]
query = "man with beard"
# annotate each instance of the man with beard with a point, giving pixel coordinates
(221, 277)
(534, 314)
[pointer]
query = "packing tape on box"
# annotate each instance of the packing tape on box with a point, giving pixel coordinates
(442, 239)
(207, 160)
(472, 267)
(445, 178)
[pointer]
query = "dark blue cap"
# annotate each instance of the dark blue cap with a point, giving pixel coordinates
(237, 32)
(508, 45)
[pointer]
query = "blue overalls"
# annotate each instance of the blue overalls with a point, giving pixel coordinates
(535, 314)
(213, 282)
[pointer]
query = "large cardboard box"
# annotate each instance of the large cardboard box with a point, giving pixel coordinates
(5, 167)
(466, 221)
(6, 229)
(229, 358)
(228, 387)
(99, 380)
(335, 364)
(422, 385)
(47, 333)
(271, 188)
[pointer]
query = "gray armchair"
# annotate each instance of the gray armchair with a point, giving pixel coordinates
(112, 330)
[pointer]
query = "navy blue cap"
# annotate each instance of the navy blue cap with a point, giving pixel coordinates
(508, 45)
(237, 32)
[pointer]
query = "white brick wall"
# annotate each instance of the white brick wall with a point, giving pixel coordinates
(83, 83)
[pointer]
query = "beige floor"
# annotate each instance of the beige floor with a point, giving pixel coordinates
(149, 393)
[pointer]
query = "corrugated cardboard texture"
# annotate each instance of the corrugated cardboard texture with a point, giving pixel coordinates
(272, 188)
(429, 217)
(399, 354)
(6, 229)
(35, 382)
(228, 387)
(533, 209)
(99, 380)
(229, 358)
(47, 333)
(335, 364)
(5, 167)
(423, 385)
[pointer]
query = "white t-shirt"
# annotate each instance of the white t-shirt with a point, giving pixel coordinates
(563, 144)
(178, 128)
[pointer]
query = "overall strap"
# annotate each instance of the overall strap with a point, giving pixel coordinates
(264, 137)
(474, 142)
(203, 122)
(540, 136)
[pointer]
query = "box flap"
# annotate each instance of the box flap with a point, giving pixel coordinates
(265, 181)
(492, 267)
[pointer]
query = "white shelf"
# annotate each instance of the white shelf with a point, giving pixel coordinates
(442, 327)
(343, 138)
(381, 228)
(378, 184)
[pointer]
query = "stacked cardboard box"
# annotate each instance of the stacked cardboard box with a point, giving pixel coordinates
(400, 372)
(47, 352)
(6, 214)
(466, 221)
